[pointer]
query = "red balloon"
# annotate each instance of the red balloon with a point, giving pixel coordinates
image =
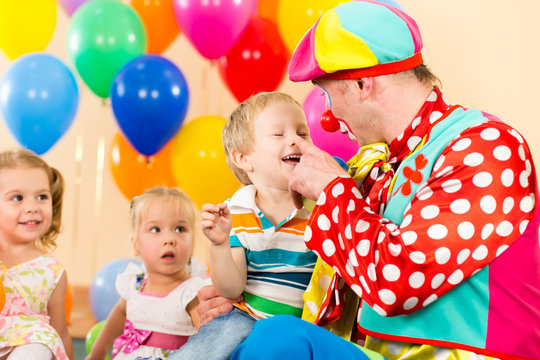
(257, 62)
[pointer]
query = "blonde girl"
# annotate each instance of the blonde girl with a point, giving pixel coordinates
(157, 310)
(33, 321)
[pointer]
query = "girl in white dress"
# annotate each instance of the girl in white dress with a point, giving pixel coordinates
(157, 310)
(33, 321)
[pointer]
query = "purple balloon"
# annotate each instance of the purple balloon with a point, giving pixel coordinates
(336, 144)
(213, 27)
(71, 5)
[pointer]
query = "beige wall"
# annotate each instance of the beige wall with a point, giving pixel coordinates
(485, 51)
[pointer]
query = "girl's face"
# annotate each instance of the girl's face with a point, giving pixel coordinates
(25, 204)
(164, 239)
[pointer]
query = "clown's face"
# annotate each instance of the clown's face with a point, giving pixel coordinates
(329, 121)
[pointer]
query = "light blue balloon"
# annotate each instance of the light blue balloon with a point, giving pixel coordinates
(38, 99)
(103, 294)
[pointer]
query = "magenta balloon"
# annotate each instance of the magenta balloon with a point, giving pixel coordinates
(71, 5)
(336, 144)
(213, 27)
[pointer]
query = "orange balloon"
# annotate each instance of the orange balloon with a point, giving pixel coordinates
(268, 9)
(2, 296)
(68, 303)
(159, 23)
(134, 173)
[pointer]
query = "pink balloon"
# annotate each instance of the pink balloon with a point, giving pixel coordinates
(213, 27)
(336, 144)
(71, 5)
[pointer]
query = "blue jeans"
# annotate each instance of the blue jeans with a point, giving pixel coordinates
(217, 339)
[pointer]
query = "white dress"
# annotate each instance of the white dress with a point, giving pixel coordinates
(163, 314)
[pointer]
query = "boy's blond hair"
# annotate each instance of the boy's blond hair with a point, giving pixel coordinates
(238, 133)
(22, 158)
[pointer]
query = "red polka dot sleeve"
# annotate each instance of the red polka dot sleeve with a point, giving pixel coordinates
(478, 200)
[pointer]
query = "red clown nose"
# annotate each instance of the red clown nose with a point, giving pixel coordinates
(329, 122)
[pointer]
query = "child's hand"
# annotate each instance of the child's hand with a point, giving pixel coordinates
(216, 222)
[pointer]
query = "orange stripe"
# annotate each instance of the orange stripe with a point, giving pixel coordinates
(248, 220)
(295, 223)
(290, 231)
(239, 230)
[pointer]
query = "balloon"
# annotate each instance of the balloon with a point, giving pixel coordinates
(159, 22)
(336, 144)
(149, 98)
(26, 26)
(103, 294)
(257, 62)
(39, 99)
(68, 303)
(71, 5)
(296, 17)
(213, 27)
(2, 296)
(198, 161)
(104, 35)
(92, 335)
(134, 173)
(268, 9)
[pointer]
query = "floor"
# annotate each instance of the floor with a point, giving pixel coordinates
(81, 320)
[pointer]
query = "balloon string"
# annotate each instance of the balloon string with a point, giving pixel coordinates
(204, 87)
(77, 196)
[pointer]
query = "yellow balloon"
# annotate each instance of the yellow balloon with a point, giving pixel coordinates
(198, 161)
(305, 13)
(26, 26)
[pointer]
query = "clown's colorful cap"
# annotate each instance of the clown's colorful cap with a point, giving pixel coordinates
(355, 40)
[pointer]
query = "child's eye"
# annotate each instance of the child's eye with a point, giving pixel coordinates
(180, 229)
(155, 229)
(43, 197)
(303, 134)
(17, 198)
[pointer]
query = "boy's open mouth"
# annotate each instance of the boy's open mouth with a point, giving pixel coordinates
(292, 159)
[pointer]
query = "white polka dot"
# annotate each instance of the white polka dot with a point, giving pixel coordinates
(439, 163)
(488, 204)
(473, 159)
(501, 249)
(456, 277)
(415, 123)
(348, 232)
(350, 269)
(340, 240)
(417, 257)
(410, 303)
(322, 199)
(466, 230)
(376, 256)
(504, 228)
(442, 255)
(361, 226)
(416, 280)
(307, 234)
(523, 226)
(352, 258)
(365, 285)
(436, 115)
(323, 222)
(372, 274)
(441, 353)
(502, 153)
(508, 205)
(409, 237)
(437, 281)
(363, 247)
(431, 298)
(521, 153)
(391, 272)
(357, 289)
(480, 253)
(516, 135)
(324, 282)
(460, 206)
(526, 204)
(335, 215)
(430, 212)
(425, 193)
(379, 310)
(387, 296)
(432, 96)
(507, 177)
(447, 170)
(380, 237)
(524, 179)
(328, 247)
(487, 230)
(437, 231)
(338, 189)
(394, 249)
(461, 144)
(451, 186)
(482, 179)
(413, 142)
(406, 221)
(490, 134)
(462, 256)
(394, 347)
(351, 207)
(312, 307)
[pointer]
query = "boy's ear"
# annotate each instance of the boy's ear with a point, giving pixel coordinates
(241, 161)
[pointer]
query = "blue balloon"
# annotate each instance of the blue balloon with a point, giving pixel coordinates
(103, 294)
(149, 98)
(39, 99)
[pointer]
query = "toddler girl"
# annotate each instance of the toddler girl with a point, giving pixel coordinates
(33, 320)
(157, 309)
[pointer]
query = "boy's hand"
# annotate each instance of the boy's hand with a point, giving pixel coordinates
(216, 222)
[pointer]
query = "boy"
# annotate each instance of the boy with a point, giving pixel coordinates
(257, 237)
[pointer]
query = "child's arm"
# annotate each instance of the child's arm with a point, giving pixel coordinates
(57, 313)
(228, 267)
(114, 327)
(192, 311)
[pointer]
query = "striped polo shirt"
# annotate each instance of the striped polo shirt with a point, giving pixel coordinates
(279, 264)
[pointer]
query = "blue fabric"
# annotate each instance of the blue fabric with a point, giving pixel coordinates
(217, 339)
(288, 337)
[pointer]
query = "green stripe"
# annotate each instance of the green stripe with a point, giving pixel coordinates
(270, 307)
